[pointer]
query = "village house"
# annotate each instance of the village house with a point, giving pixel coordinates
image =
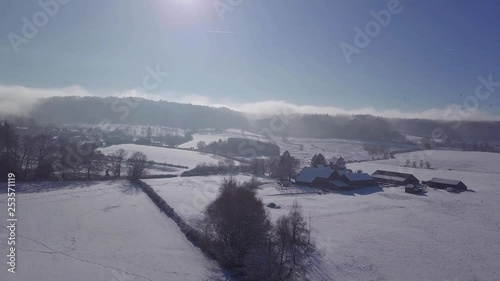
(326, 177)
(315, 177)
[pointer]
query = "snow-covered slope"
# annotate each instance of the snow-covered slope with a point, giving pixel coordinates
(210, 136)
(305, 148)
(98, 231)
(350, 150)
(383, 234)
(166, 155)
(472, 161)
(375, 234)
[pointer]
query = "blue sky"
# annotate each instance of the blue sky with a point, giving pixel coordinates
(280, 52)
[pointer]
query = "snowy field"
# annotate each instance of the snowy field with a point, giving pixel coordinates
(305, 148)
(189, 196)
(383, 234)
(210, 136)
(99, 231)
(350, 150)
(469, 161)
(166, 155)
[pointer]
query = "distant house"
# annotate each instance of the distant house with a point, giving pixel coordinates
(358, 179)
(446, 183)
(325, 177)
(394, 178)
(315, 177)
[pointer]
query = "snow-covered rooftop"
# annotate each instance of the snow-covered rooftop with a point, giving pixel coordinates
(308, 174)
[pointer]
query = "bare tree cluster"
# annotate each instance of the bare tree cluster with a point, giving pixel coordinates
(137, 164)
(27, 156)
(40, 156)
(237, 230)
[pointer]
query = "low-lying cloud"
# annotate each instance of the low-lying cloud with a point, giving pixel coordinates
(20, 100)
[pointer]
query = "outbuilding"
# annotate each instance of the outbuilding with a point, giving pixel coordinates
(358, 180)
(441, 183)
(394, 178)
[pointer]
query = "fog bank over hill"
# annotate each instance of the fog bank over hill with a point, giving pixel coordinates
(139, 111)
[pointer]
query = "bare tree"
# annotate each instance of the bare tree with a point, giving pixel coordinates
(93, 160)
(201, 145)
(118, 157)
(292, 244)
(299, 234)
(421, 163)
(46, 152)
(137, 165)
(26, 155)
(258, 166)
(428, 164)
(9, 147)
(282, 236)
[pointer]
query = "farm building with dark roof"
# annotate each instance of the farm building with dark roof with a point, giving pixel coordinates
(358, 179)
(446, 183)
(311, 176)
(394, 178)
(329, 178)
(337, 174)
(338, 184)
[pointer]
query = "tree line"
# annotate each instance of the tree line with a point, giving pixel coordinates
(283, 167)
(240, 147)
(44, 156)
(92, 110)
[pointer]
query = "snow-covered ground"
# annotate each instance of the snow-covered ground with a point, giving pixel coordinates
(350, 150)
(189, 196)
(166, 155)
(210, 136)
(472, 161)
(98, 231)
(305, 148)
(383, 234)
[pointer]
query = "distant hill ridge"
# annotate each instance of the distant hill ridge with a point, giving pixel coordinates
(139, 111)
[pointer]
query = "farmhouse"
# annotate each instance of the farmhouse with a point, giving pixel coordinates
(316, 177)
(446, 183)
(338, 184)
(394, 178)
(337, 174)
(326, 177)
